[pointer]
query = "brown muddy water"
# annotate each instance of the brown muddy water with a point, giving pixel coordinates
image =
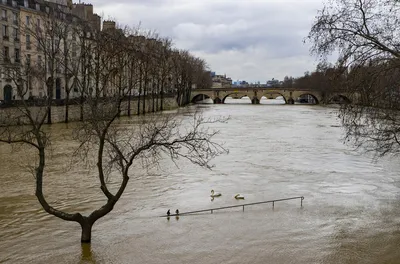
(351, 211)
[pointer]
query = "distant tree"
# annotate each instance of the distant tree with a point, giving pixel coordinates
(365, 34)
(288, 82)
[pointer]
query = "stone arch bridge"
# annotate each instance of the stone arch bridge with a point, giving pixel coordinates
(219, 95)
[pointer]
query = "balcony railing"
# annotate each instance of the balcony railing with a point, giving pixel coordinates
(6, 37)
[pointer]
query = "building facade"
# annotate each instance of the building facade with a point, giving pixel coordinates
(221, 81)
(10, 46)
(38, 39)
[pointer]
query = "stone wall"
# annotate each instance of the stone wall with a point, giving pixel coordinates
(17, 116)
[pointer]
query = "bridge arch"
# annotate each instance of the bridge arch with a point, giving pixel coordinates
(265, 94)
(303, 95)
(339, 99)
(199, 97)
(239, 95)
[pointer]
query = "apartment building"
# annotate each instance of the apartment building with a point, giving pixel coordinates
(221, 81)
(38, 37)
(59, 50)
(9, 45)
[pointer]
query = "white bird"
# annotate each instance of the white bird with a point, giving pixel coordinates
(214, 194)
(239, 196)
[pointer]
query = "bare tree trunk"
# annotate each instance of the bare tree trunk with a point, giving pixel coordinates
(81, 108)
(66, 107)
(140, 90)
(144, 92)
(86, 226)
(158, 96)
(49, 84)
(162, 96)
(49, 115)
(129, 101)
(153, 109)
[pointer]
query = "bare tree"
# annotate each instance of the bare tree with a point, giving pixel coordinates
(106, 67)
(116, 149)
(360, 30)
(365, 34)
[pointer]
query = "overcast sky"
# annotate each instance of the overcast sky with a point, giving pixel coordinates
(253, 40)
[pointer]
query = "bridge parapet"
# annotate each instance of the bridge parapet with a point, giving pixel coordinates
(255, 93)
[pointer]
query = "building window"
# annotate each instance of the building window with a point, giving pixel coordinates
(39, 61)
(48, 44)
(5, 32)
(15, 18)
(15, 34)
(49, 66)
(58, 67)
(4, 15)
(74, 50)
(28, 20)
(6, 54)
(17, 55)
(28, 60)
(38, 24)
(28, 42)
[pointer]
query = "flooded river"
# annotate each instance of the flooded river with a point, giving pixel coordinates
(351, 211)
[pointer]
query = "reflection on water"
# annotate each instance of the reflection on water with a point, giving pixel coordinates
(87, 255)
(350, 213)
(246, 100)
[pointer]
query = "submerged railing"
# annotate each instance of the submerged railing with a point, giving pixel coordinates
(240, 205)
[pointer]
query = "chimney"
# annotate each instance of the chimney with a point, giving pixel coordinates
(108, 24)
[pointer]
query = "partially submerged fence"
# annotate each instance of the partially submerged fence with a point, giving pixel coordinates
(240, 205)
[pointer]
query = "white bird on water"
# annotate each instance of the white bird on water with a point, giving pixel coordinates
(214, 194)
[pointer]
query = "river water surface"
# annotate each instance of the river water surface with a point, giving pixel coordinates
(351, 211)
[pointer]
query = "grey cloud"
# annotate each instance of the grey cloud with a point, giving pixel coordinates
(253, 31)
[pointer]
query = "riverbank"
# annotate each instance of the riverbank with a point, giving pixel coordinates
(74, 111)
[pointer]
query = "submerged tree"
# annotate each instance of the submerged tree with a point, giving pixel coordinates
(104, 82)
(104, 67)
(365, 34)
(116, 148)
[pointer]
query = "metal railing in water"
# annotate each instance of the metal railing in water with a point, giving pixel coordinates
(240, 205)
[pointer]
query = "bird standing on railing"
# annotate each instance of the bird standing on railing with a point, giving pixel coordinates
(168, 212)
(177, 212)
